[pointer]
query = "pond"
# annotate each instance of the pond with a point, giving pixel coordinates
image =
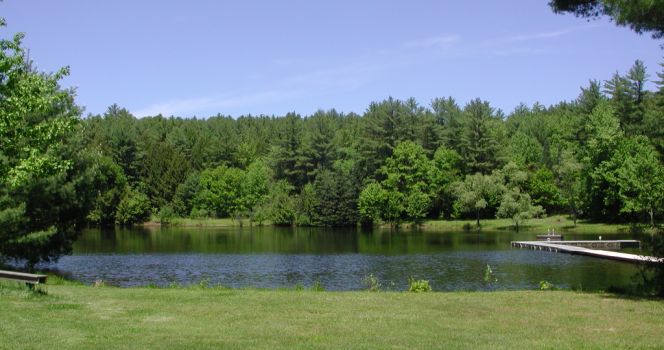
(272, 257)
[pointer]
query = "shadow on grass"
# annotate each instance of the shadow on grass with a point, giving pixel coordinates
(20, 289)
(628, 293)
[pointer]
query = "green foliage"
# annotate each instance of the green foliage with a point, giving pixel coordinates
(640, 15)
(163, 169)
(570, 183)
(524, 149)
(372, 202)
(110, 186)
(544, 191)
(279, 207)
(166, 215)
(45, 187)
(183, 199)
(407, 182)
(335, 201)
(285, 153)
(134, 208)
(399, 161)
(546, 285)
(385, 125)
(482, 137)
(518, 207)
(636, 177)
(317, 286)
(478, 193)
(372, 283)
(604, 135)
(444, 172)
(489, 276)
(306, 204)
(418, 286)
(219, 191)
(36, 117)
(227, 191)
(405, 193)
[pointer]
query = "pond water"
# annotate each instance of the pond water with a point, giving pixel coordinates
(270, 257)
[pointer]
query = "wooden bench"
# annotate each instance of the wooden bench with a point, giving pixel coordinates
(30, 279)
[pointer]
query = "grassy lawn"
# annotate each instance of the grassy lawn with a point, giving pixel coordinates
(560, 223)
(79, 317)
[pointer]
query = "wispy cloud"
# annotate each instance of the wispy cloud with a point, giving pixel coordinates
(524, 44)
(537, 36)
(192, 106)
(441, 41)
(349, 76)
(517, 51)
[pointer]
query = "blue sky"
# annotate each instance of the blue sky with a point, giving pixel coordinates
(200, 58)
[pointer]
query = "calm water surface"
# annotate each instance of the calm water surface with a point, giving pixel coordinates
(339, 259)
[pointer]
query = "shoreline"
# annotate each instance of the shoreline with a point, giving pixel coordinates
(559, 223)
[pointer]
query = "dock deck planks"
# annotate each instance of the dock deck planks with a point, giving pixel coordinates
(578, 248)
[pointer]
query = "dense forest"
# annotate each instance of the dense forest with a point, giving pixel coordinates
(598, 157)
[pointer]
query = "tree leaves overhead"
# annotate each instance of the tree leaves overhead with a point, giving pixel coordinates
(642, 16)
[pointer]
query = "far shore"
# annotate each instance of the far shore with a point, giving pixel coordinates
(557, 223)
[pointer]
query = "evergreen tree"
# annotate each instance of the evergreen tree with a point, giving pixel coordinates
(336, 199)
(481, 139)
(44, 183)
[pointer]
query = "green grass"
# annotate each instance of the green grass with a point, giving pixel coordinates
(83, 317)
(558, 222)
(206, 222)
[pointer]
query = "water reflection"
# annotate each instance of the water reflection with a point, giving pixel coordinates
(269, 257)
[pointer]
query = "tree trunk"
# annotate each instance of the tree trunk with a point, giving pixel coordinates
(652, 218)
(478, 218)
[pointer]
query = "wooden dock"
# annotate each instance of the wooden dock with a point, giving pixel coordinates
(591, 248)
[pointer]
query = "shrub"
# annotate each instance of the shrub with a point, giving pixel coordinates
(546, 285)
(418, 286)
(489, 277)
(372, 283)
(134, 208)
(318, 286)
(166, 215)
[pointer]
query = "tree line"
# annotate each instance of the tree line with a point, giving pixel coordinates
(597, 157)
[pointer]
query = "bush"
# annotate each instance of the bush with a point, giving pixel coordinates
(372, 283)
(546, 285)
(133, 208)
(489, 277)
(318, 286)
(198, 213)
(418, 286)
(166, 215)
